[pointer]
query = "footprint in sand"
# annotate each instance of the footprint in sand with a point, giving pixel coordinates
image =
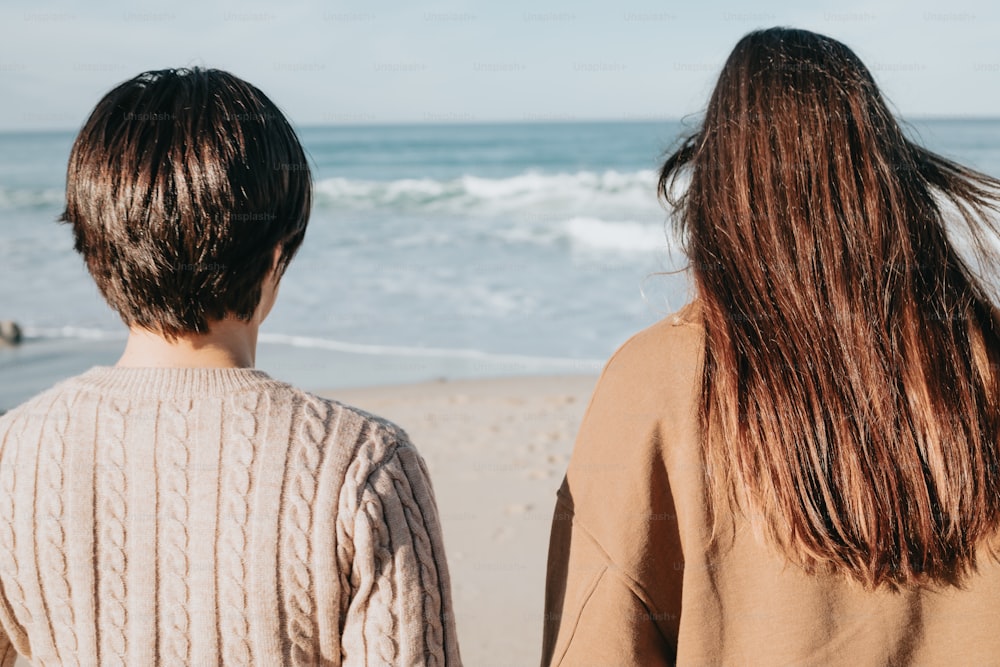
(561, 400)
(517, 509)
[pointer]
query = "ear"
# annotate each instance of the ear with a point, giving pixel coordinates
(269, 288)
(277, 257)
(272, 278)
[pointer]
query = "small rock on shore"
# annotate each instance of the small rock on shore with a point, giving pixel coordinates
(10, 333)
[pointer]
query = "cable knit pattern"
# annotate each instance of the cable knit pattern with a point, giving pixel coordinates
(396, 530)
(52, 532)
(239, 450)
(377, 591)
(310, 430)
(8, 561)
(373, 449)
(173, 460)
(13, 600)
(284, 492)
(425, 557)
(111, 512)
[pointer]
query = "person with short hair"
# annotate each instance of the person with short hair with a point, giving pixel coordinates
(801, 465)
(182, 507)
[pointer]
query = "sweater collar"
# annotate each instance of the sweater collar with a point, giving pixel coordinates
(153, 382)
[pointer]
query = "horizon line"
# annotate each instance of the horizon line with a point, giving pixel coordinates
(541, 119)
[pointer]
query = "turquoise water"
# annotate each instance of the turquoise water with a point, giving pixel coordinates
(432, 251)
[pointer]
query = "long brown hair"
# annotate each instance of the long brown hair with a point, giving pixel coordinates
(850, 393)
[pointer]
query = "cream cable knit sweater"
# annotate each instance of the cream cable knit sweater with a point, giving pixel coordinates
(215, 516)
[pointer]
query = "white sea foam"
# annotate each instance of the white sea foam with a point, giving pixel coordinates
(441, 353)
(333, 345)
(529, 191)
(592, 235)
(625, 237)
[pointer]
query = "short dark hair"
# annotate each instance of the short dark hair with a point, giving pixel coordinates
(180, 186)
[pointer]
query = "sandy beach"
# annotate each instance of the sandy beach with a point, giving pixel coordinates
(497, 451)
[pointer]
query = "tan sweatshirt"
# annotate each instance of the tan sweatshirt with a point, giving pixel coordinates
(631, 582)
(215, 516)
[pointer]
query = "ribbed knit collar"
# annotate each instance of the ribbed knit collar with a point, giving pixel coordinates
(175, 382)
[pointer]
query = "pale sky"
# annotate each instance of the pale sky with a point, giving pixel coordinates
(385, 61)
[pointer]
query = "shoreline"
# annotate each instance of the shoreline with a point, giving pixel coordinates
(37, 364)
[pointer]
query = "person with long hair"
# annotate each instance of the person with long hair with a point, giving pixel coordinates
(800, 466)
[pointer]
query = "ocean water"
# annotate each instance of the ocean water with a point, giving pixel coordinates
(432, 251)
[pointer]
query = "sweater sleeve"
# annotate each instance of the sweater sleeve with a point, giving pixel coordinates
(614, 580)
(400, 609)
(8, 652)
(593, 613)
